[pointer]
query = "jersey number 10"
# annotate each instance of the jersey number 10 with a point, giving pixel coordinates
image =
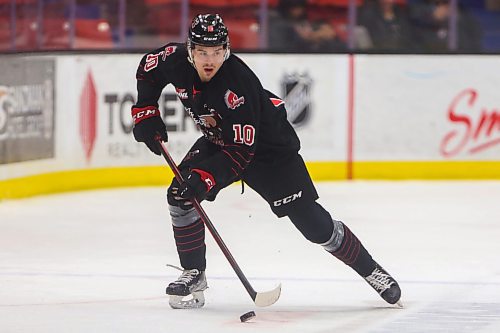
(244, 134)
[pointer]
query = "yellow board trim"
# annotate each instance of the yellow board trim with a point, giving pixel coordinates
(427, 170)
(75, 180)
(323, 171)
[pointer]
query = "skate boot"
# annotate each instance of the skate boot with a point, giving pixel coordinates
(385, 285)
(187, 291)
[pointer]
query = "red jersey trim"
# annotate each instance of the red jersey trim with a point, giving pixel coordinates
(276, 101)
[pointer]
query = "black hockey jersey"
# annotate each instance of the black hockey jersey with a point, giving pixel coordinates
(232, 110)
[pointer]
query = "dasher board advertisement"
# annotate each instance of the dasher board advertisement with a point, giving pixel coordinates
(427, 108)
(27, 109)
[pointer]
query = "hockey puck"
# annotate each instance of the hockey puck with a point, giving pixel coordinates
(247, 316)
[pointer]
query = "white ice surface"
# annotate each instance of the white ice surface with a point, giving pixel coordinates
(96, 262)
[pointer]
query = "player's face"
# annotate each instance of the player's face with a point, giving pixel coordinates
(208, 60)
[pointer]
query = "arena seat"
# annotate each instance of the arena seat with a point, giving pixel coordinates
(95, 33)
(337, 3)
(232, 3)
(244, 33)
(55, 33)
(26, 37)
(490, 25)
(161, 2)
(164, 16)
(18, 2)
(5, 34)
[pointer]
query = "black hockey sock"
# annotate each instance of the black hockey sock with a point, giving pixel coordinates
(352, 253)
(190, 241)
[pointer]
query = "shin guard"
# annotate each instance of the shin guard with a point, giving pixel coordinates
(190, 242)
(353, 253)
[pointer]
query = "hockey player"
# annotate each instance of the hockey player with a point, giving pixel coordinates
(246, 136)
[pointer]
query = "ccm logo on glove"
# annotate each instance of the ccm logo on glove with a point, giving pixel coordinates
(139, 114)
(149, 127)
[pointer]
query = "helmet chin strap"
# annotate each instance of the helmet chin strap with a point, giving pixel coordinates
(190, 53)
(228, 49)
(228, 52)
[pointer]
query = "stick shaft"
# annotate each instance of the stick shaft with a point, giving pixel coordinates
(209, 225)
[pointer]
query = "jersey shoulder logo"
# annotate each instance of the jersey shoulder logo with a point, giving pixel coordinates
(168, 51)
(232, 100)
(276, 101)
(152, 59)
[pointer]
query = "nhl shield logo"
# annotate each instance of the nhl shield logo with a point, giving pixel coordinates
(297, 91)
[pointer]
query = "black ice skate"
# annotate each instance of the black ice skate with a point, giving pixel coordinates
(385, 285)
(187, 291)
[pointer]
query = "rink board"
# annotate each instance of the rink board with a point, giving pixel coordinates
(65, 119)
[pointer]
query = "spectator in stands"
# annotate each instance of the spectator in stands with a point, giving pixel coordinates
(431, 22)
(290, 30)
(388, 25)
(493, 5)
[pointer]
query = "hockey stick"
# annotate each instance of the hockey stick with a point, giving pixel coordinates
(260, 299)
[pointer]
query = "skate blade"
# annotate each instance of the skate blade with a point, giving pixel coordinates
(193, 301)
(400, 304)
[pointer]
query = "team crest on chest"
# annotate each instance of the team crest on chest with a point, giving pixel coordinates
(232, 100)
(208, 120)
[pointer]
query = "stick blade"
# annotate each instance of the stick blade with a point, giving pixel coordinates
(268, 297)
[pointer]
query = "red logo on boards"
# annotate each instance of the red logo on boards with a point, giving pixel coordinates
(476, 127)
(232, 100)
(88, 115)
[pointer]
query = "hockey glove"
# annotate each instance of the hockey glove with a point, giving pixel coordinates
(196, 185)
(149, 127)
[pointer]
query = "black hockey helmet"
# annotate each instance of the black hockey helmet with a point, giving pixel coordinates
(207, 30)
